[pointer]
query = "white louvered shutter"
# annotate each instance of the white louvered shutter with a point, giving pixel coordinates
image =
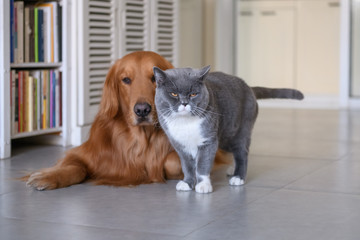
(110, 29)
(135, 26)
(97, 46)
(164, 26)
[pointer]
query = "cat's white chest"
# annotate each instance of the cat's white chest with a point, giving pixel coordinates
(186, 130)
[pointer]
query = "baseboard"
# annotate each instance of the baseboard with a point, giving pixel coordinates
(354, 103)
(46, 139)
(79, 135)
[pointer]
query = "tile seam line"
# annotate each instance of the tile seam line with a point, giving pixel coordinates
(90, 226)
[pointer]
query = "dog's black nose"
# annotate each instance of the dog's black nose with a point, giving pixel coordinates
(142, 109)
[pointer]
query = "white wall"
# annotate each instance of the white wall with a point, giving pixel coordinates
(207, 34)
(190, 33)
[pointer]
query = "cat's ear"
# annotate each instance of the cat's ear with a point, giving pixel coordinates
(203, 72)
(159, 76)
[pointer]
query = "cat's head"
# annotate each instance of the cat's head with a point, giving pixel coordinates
(181, 90)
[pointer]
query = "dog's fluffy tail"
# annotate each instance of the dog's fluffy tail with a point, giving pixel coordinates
(285, 93)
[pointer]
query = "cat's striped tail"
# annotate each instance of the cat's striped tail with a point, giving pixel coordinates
(263, 93)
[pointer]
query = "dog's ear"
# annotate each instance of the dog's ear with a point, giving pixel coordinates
(110, 102)
(160, 76)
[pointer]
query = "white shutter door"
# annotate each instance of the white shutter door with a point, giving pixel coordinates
(97, 53)
(135, 26)
(164, 24)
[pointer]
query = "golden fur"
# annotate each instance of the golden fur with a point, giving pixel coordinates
(120, 150)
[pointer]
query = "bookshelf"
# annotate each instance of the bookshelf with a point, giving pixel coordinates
(40, 65)
(34, 65)
(94, 33)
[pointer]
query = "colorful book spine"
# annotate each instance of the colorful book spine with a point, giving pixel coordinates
(15, 33)
(51, 99)
(48, 104)
(30, 106)
(27, 34)
(34, 112)
(36, 35)
(12, 31)
(45, 96)
(41, 34)
(39, 97)
(20, 89)
(20, 31)
(16, 123)
(12, 101)
(32, 34)
(54, 100)
(60, 99)
(57, 101)
(25, 101)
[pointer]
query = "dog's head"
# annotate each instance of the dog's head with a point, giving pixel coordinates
(129, 89)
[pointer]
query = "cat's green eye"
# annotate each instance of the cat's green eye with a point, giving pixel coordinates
(174, 94)
(193, 95)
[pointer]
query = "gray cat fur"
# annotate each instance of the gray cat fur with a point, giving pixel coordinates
(230, 110)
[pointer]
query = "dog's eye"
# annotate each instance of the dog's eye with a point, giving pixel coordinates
(193, 95)
(153, 78)
(174, 94)
(126, 80)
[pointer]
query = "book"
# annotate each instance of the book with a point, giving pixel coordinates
(41, 35)
(16, 121)
(56, 32)
(37, 99)
(15, 34)
(46, 33)
(51, 18)
(32, 34)
(60, 99)
(20, 95)
(12, 31)
(51, 99)
(59, 32)
(30, 103)
(25, 92)
(57, 101)
(27, 34)
(54, 100)
(20, 31)
(13, 101)
(34, 112)
(48, 105)
(36, 35)
(39, 102)
(44, 99)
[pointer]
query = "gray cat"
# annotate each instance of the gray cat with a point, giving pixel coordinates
(201, 112)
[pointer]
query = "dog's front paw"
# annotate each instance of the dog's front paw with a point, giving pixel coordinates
(236, 181)
(41, 181)
(183, 186)
(204, 187)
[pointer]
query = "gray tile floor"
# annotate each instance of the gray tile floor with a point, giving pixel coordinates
(303, 183)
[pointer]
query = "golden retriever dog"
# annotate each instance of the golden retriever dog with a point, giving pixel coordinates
(126, 146)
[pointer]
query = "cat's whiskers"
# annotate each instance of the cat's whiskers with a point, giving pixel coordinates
(207, 111)
(203, 113)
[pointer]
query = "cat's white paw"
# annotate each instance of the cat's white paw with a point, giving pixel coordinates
(230, 171)
(204, 187)
(183, 186)
(236, 181)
